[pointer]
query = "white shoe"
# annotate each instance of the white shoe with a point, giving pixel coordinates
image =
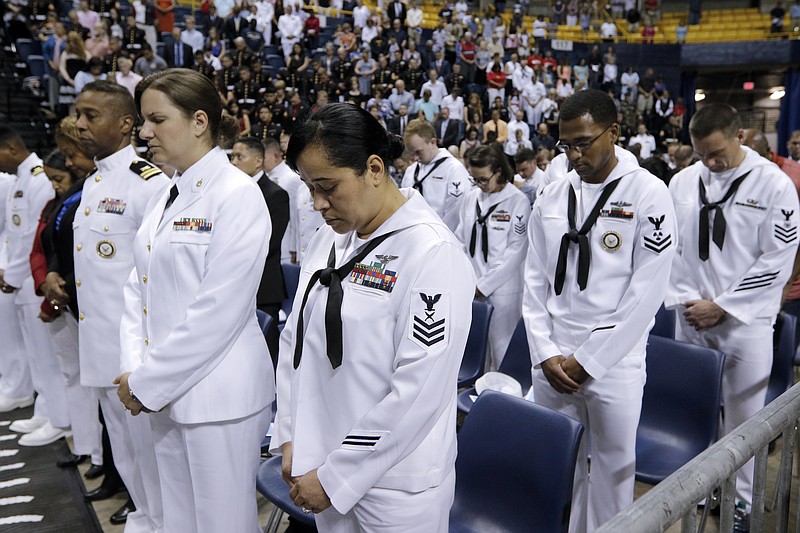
(28, 425)
(44, 435)
(9, 404)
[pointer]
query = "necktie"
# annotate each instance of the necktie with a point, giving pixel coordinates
(332, 278)
(402, 125)
(173, 193)
(480, 220)
(719, 217)
(580, 237)
(418, 182)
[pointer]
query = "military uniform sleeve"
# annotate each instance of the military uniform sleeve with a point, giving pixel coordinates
(759, 287)
(508, 264)
(38, 194)
(538, 324)
(282, 427)
(682, 283)
(423, 385)
(131, 331)
(654, 249)
(234, 260)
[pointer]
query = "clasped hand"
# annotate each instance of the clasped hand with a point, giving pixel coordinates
(565, 374)
(306, 490)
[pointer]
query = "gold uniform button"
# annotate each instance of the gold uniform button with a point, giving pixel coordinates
(144, 309)
(81, 316)
(98, 178)
(86, 211)
(147, 341)
(79, 247)
(78, 283)
(144, 278)
(148, 246)
(105, 228)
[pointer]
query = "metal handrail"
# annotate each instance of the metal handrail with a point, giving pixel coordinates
(677, 496)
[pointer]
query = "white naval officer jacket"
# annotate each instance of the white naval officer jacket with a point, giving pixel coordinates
(747, 276)
(507, 225)
(632, 244)
(385, 417)
(306, 221)
(25, 201)
(112, 208)
(189, 332)
(6, 182)
(444, 189)
(288, 180)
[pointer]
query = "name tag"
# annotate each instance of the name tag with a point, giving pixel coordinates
(192, 224)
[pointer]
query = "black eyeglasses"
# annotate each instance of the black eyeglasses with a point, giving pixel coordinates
(582, 146)
(483, 181)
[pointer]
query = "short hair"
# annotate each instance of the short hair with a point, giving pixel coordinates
(715, 117)
(123, 101)
(330, 124)
(228, 132)
(592, 102)
(9, 135)
(251, 143)
(492, 156)
(67, 131)
(189, 91)
(57, 160)
(270, 143)
(526, 154)
(421, 128)
(795, 133)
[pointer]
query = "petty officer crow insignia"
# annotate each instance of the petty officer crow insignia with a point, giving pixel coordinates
(144, 169)
(658, 240)
(786, 231)
(429, 321)
(519, 225)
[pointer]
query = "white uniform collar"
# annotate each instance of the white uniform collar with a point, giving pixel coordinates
(26, 167)
(122, 157)
(496, 197)
(198, 175)
(751, 160)
(625, 165)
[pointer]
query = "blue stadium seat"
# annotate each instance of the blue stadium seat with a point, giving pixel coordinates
(475, 351)
(272, 486)
(36, 65)
(24, 48)
(291, 277)
(515, 466)
(665, 323)
(782, 375)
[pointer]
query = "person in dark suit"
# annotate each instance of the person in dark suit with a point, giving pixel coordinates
(236, 25)
(446, 128)
(248, 156)
(178, 54)
(397, 124)
(397, 11)
(440, 64)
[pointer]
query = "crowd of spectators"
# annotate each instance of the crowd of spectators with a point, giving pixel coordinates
(476, 78)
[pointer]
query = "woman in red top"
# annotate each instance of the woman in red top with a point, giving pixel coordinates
(165, 15)
(496, 80)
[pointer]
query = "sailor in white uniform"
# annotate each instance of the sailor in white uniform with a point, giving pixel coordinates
(529, 177)
(306, 221)
(601, 244)
(369, 359)
(23, 205)
(287, 179)
(112, 208)
(737, 220)
(16, 388)
(193, 356)
(438, 176)
(493, 224)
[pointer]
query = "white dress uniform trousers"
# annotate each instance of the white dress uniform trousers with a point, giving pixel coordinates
(112, 207)
(745, 277)
(24, 203)
(15, 377)
(191, 339)
(504, 220)
(380, 428)
(605, 325)
(444, 185)
(306, 221)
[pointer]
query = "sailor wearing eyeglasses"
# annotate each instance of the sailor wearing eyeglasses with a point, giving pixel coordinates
(493, 225)
(600, 247)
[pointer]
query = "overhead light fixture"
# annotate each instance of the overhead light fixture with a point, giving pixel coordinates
(699, 95)
(777, 93)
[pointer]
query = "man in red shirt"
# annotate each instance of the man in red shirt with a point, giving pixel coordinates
(466, 56)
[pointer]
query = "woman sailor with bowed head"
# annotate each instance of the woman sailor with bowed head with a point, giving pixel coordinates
(369, 358)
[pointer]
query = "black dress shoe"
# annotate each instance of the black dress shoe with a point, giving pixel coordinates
(121, 516)
(71, 460)
(103, 492)
(94, 472)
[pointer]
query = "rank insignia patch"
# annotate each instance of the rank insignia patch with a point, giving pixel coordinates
(456, 189)
(192, 224)
(38, 169)
(519, 225)
(657, 241)
(429, 321)
(375, 275)
(786, 232)
(111, 205)
(363, 440)
(144, 169)
(611, 241)
(617, 212)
